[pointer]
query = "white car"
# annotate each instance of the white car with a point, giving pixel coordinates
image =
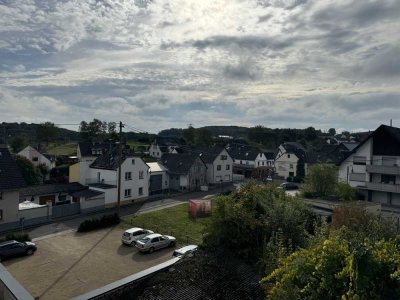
(130, 236)
(154, 242)
(187, 250)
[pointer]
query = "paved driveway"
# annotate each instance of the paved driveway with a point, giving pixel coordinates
(71, 264)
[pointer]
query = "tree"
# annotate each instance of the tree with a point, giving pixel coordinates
(203, 137)
(19, 143)
(346, 192)
(94, 130)
(300, 170)
(189, 135)
(28, 170)
(321, 180)
(46, 132)
(43, 171)
(332, 131)
(310, 133)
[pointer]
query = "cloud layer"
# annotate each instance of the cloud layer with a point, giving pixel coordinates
(159, 64)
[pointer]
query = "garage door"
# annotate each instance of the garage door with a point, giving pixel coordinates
(155, 184)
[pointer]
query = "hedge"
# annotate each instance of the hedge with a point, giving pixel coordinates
(18, 236)
(97, 223)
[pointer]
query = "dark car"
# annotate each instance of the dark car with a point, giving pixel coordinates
(288, 186)
(14, 248)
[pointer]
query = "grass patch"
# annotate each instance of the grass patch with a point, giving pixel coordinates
(135, 145)
(63, 149)
(173, 221)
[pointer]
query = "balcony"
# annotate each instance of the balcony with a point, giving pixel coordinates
(383, 187)
(380, 169)
(101, 181)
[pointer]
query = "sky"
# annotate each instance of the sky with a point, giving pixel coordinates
(156, 64)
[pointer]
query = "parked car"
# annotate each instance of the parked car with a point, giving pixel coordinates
(130, 236)
(287, 186)
(185, 251)
(13, 248)
(155, 241)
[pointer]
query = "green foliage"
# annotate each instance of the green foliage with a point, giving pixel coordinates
(197, 136)
(18, 236)
(30, 174)
(247, 222)
(46, 132)
(97, 223)
(19, 143)
(346, 192)
(321, 180)
(310, 133)
(300, 171)
(98, 130)
(189, 135)
(338, 268)
(332, 131)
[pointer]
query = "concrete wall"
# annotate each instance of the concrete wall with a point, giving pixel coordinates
(35, 216)
(92, 204)
(110, 195)
(9, 205)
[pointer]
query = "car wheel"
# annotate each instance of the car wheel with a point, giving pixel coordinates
(151, 250)
(172, 244)
(29, 252)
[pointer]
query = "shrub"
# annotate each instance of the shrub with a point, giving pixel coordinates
(97, 223)
(346, 192)
(18, 236)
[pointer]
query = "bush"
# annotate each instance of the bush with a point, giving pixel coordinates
(346, 192)
(18, 236)
(97, 223)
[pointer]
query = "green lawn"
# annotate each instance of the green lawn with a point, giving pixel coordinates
(63, 149)
(173, 221)
(135, 145)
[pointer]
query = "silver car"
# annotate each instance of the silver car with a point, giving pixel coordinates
(155, 241)
(130, 236)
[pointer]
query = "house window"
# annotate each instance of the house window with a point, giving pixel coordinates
(288, 156)
(141, 176)
(128, 175)
(133, 161)
(228, 167)
(224, 157)
(140, 191)
(127, 193)
(35, 158)
(258, 163)
(218, 167)
(241, 162)
(291, 166)
(1, 215)
(388, 179)
(262, 163)
(158, 153)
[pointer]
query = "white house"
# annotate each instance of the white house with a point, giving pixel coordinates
(102, 175)
(287, 158)
(373, 167)
(219, 165)
(162, 145)
(250, 161)
(89, 151)
(37, 158)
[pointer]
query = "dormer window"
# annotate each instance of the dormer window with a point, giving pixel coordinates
(133, 161)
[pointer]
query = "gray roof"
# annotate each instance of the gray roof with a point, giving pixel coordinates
(86, 148)
(179, 163)
(46, 189)
(243, 152)
(10, 174)
(87, 193)
(110, 160)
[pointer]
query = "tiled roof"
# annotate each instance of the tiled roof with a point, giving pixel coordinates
(110, 159)
(208, 155)
(243, 152)
(10, 175)
(87, 193)
(164, 142)
(46, 189)
(93, 149)
(179, 163)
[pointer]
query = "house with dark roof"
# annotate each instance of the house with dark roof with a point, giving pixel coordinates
(287, 157)
(38, 158)
(187, 171)
(11, 181)
(102, 175)
(89, 151)
(162, 145)
(373, 167)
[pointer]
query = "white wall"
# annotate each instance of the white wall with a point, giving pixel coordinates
(97, 201)
(283, 164)
(33, 213)
(110, 195)
(214, 175)
(135, 183)
(31, 153)
(155, 151)
(9, 205)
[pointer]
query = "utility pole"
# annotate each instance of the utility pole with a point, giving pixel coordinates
(119, 168)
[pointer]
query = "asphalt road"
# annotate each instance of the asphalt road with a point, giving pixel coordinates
(62, 225)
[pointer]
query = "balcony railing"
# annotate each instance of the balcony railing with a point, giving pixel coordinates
(383, 187)
(380, 169)
(357, 177)
(96, 180)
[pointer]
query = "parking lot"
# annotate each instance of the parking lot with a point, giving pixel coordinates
(73, 263)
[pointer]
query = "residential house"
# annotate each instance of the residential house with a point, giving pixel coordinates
(102, 175)
(373, 167)
(159, 178)
(89, 151)
(162, 145)
(187, 171)
(38, 158)
(334, 154)
(288, 156)
(219, 165)
(246, 159)
(11, 181)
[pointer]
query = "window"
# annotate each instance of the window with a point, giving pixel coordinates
(224, 157)
(158, 153)
(218, 167)
(288, 156)
(35, 158)
(128, 175)
(1, 215)
(258, 163)
(360, 160)
(141, 176)
(228, 167)
(241, 162)
(127, 193)
(388, 179)
(140, 191)
(133, 161)
(291, 166)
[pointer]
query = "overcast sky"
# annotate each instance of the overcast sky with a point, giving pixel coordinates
(160, 64)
